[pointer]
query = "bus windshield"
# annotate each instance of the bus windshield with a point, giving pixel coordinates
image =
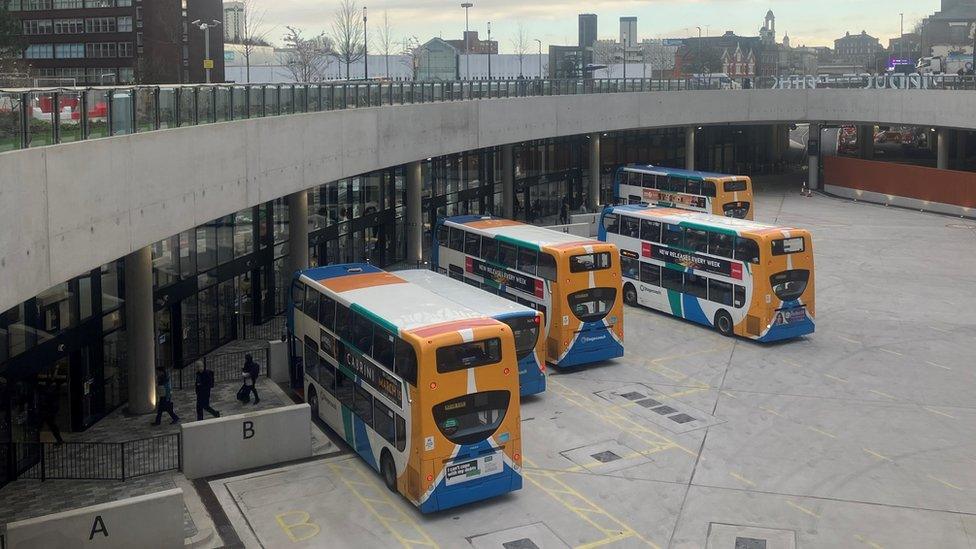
(468, 355)
(592, 304)
(469, 419)
(526, 331)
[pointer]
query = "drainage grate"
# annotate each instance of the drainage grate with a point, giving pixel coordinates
(664, 410)
(605, 457)
(681, 418)
(633, 395)
(526, 543)
(648, 403)
(749, 543)
(657, 408)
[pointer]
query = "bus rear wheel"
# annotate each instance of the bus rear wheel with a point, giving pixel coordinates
(312, 398)
(630, 294)
(389, 471)
(723, 323)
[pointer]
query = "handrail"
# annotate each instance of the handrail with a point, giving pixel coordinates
(35, 117)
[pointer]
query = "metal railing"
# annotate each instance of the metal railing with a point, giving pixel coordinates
(225, 366)
(49, 116)
(94, 460)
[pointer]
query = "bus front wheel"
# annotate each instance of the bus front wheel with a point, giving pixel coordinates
(312, 398)
(723, 323)
(389, 471)
(630, 294)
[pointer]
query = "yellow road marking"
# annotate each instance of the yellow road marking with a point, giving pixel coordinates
(793, 362)
(868, 542)
(583, 507)
(802, 509)
(930, 363)
(945, 483)
(771, 411)
(686, 355)
(889, 351)
(849, 340)
(877, 455)
(835, 378)
(822, 432)
(742, 479)
(377, 498)
(934, 411)
(940, 329)
(688, 392)
(882, 394)
(728, 394)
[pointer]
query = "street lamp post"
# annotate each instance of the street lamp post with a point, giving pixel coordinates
(624, 48)
(701, 62)
(489, 50)
(365, 41)
(205, 27)
(467, 43)
(540, 57)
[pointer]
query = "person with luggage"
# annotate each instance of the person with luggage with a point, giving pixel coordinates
(204, 384)
(250, 371)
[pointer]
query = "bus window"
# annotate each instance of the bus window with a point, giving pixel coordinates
(383, 422)
(785, 246)
(720, 244)
(311, 359)
(672, 279)
(343, 322)
(442, 234)
(362, 405)
(671, 235)
(472, 244)
(629, 266)
(327, 312)
(720, 292)
(547, 266)
(739, 296)
(589, 262)
(311, 307)
(593, 304)
(790, 285)
(401, 433)
(362, 333)
(406, 362)
(489, 249)
(734, 186)
(610, 223)
(629, 226)
(693, 186)
(696, 239)
(708, 189)
(383, 346)
(457, 239)
(649, 181)
(326, 377)
(468, 355)
(343, 390)
(526, 332)
(696, 285)
(650, 230)
(470, 419)
(298, 294)
(746, 250)
(506, 254)
(650, 274)
(527, 260)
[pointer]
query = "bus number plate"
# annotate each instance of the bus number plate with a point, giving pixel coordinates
(474, 468)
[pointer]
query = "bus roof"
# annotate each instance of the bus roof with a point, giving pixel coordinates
(380, 296)
(523, 234)
(480, 300)
(687, 217)
(687, 174)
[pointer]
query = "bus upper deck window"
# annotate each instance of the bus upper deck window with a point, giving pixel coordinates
(457, 239)
(547, 266)
(734, 186)
(442, 234)
(746, 250)
(708, 189)
(648, 181)
(693, 186)
(489, 249)
(610, 223)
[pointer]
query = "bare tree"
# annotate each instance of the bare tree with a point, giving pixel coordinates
(413, 54)
(306, 59)
(384, 36)
(605, 53)
(659, 57)
(521, 45)
(347, 33)
(252, 33)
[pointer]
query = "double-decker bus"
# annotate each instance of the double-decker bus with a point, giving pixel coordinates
(714, 193)
(424, 390)
(574, 281)
(526, 323)
(739, 276)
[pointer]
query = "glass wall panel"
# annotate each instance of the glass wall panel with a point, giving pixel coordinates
(69, 122)
(243, 232)
(166, 268)
(123, 115)
(10, 121)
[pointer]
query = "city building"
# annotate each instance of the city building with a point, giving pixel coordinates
(470, 43)
(949, 30)
(861, 50)
(628, 32)
(437, 60)
(907, 47)
(728, 53)
(568, 61)
(587, 30)
(91, 42)
(233, 21)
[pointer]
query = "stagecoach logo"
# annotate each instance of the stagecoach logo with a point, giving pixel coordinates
(864, 81)
(653, 195)
(692, 261)
(374, 376)
(504, 277)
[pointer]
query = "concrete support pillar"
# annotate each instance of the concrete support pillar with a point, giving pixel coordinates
(813, 160)
(415, 217)
(942, 149)
(690, 148)
(772, 144)
(961, 149)
(594, 201)
(865, 141)
(508, 181)
(140, 331)
(298, 233)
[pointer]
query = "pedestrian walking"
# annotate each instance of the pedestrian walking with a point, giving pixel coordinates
(251, 371)
(204, 384)
(48, 409)
(164, 398)
(564, 212)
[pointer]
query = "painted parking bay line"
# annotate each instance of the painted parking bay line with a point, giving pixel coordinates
(378, 501)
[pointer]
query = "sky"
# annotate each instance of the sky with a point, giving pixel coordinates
(808, 22)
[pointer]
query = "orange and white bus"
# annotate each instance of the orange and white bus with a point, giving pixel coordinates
(423, 389)
(741, 277)
(714, 193)
(573, 280)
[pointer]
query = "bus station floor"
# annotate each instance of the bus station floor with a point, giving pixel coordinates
(860, 435)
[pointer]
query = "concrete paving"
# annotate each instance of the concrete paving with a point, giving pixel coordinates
(861, 435)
